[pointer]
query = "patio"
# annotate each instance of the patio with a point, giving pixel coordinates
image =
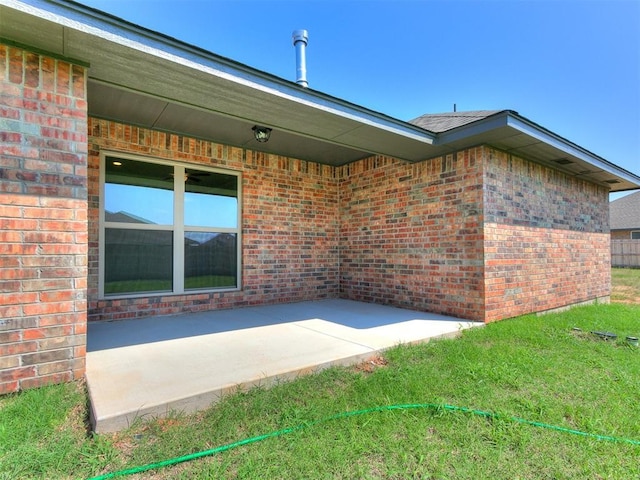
(150, 367)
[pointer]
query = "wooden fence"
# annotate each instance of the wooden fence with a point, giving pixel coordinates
(625, 253)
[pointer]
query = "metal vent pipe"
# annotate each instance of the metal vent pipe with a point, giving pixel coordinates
(300, 40)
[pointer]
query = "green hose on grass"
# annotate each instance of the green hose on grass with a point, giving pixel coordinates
(285, 431)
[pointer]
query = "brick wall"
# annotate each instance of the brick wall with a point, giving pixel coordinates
(411, 235)
(478, 234)
(289, 223)
(546, 238)
(43, 220)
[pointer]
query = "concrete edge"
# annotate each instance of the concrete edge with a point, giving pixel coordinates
(203, 400)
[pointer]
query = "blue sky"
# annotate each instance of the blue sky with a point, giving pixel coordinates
(571, 66)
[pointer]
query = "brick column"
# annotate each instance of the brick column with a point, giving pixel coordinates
(43, 219)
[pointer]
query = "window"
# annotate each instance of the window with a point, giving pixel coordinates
(635, 235)
(167, 228)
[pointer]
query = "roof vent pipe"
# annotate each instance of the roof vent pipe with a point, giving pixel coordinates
(300, 40)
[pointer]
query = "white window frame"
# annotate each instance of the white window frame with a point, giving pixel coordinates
(178, 227)
(637, 232)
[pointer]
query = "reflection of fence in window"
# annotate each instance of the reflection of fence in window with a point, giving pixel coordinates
(625, 253)
(211, 261)
(138, 260)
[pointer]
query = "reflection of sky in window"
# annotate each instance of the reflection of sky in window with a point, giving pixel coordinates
(201, 210)
(156, 205)
(153, 204)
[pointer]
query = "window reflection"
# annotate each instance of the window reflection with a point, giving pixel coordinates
(138, 192)
(210, 199)
(138, 261)
(140, 225)
(210, 260)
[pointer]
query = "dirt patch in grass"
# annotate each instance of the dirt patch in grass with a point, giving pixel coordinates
(625, 294)
(372, 364)
(625, 286)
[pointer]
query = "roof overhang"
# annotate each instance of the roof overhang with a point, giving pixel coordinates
(144, 78)
(141, 77)
(510, 132)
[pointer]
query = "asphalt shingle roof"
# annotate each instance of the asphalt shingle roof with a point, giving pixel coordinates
(441, 122)
(624, 213)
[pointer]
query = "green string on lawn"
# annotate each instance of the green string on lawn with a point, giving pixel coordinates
(285, 431)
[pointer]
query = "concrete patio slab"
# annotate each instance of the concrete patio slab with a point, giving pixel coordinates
(150, 367)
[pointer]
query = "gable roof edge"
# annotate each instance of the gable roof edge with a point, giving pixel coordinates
(514, 123)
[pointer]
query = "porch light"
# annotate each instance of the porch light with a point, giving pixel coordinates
(262, 134)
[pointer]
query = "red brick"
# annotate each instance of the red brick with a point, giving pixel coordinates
(7, 349)
(61, 319)
(10, 137)
(8, 273)
(18, 298)
(58, 296)
(32, 70)
(16, 67)
(11, 285)
(62, 78)
(55, 367)
(49, 213)
(17, 249)
(48, 308)
(9, 236)
(17, 373)
(10, 211)
(17, 200)
(48, 73)
(56, 343)
(10, 311)
(40, 357)
(7, 362)
(3, 62)
(8, 265)
(39, 333)
(48, 237)
(18, 224)
(52, 379)
(9, 387)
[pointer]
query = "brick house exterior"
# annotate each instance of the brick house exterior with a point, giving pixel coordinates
(625, 217)
(468, 227)
(43, 218)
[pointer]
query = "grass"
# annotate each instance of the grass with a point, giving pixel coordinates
(203, 281)
(537, 368)
(626, 285)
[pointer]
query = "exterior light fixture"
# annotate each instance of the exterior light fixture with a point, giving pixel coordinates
(262, 134)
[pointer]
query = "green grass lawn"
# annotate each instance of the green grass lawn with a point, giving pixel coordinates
(536, 368)
(203, 281)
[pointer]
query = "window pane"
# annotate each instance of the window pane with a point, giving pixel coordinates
(138, 261)
(210, 199)
(210, 260)
(138, 192)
